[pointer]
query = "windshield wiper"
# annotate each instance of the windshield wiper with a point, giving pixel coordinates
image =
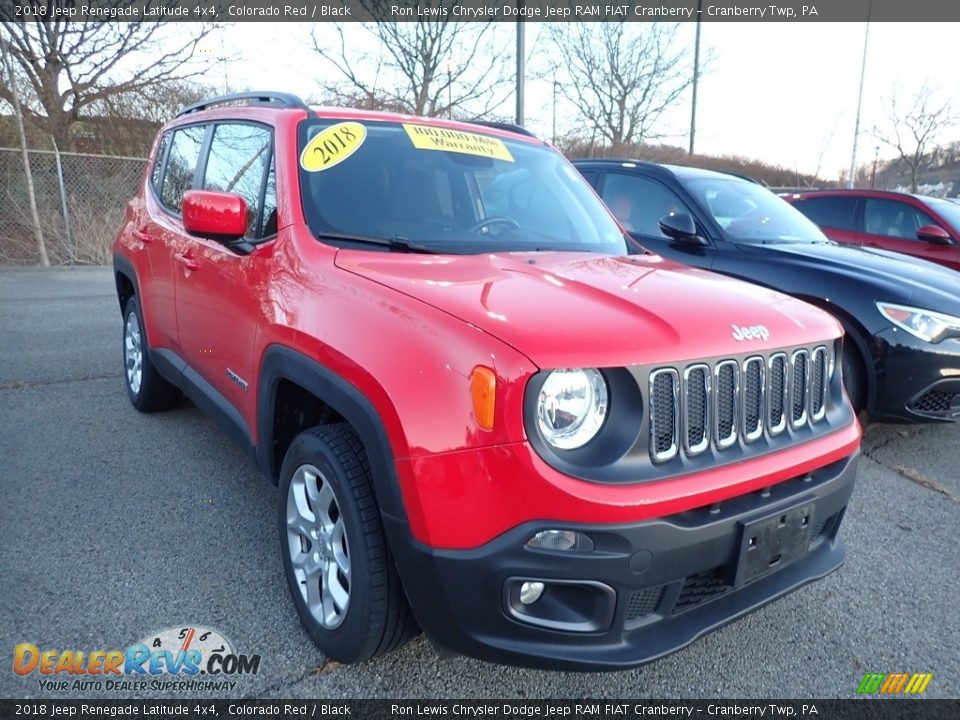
(394, 242)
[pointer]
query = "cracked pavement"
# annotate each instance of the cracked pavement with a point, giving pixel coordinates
(115, 525)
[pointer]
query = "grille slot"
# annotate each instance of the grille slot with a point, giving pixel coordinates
(777, 394)
(936, 402)
(753, 398)
(818, 384)
(643, 602)
(696, 416)
(664, 414)
(700, 588)
(727, 388)
(798, 387)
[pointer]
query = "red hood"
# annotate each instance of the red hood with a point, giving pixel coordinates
(572, 309)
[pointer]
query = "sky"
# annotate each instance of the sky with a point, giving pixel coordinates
(785, 93)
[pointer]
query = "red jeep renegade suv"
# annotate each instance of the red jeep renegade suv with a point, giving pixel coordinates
(486, 419)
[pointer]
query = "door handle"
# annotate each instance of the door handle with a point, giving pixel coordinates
(142, 236)
(188, 262)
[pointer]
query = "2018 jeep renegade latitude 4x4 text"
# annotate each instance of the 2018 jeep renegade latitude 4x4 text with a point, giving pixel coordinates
(486, 419)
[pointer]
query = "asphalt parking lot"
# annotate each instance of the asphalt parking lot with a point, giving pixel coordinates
(114, 525)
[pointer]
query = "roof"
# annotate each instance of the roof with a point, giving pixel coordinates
(256, 102)
(857, 192)
(682, 172)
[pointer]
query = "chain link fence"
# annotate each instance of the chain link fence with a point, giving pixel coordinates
(94, 190)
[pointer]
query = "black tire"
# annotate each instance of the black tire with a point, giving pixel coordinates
(854, 375)
(153, 393)
(377, 618)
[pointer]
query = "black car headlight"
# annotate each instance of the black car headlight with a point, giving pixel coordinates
(924, 324)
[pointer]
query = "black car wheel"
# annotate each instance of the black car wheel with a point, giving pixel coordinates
(147, 390)
(339, 569)
(854, 375)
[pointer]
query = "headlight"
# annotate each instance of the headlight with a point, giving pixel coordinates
(571, 407)
(924, 324)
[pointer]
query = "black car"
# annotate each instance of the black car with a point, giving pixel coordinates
(901, 362)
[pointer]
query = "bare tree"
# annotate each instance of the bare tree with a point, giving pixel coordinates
(911, 131)
(436, 67)
(28, 174)
(70, 66)
(621, 76)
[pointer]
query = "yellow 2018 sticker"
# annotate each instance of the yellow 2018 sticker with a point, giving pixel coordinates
(332, 146)
(427, 137)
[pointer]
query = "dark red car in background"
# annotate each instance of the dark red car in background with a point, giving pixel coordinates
(924, 227)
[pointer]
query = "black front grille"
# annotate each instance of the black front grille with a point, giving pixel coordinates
(732, 399)
(701, 587)
(935, 402)
(643, 602)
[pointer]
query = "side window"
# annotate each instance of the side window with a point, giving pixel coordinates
(156, 174)
(639, 202)
(832, 212)
(181, 165)
(240, 156)
(893, 219)
(268, 224)
(591, 176)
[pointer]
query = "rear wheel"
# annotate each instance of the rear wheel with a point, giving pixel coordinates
(339, 568)
(147, 390)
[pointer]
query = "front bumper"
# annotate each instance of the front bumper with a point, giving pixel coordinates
(915, 381)
(646, 590)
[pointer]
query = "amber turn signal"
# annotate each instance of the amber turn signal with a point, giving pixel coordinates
(483, 390)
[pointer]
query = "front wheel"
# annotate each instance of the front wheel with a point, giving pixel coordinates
(339, 568)
(854, 375)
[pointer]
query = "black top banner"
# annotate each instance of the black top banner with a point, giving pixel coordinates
(479, 10)
(863, 709)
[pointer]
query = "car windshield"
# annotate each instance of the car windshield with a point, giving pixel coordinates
(750, 213)
(947, 209)
(412, 185)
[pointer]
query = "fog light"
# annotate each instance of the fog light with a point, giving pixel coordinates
(530, 592)
(560, 540)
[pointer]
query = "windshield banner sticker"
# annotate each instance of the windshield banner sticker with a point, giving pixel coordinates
(332, 146)
(425, 137)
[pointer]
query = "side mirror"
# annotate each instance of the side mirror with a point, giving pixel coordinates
(215, 215)
(934, 234)
(681, 228)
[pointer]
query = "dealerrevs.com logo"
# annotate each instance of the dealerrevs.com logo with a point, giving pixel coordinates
(187, 658)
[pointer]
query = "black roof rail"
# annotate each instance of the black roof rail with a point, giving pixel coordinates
(509, 127)
(268, 97)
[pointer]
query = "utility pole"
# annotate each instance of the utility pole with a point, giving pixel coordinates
(696, 77)
(521, 62)
(856, 127)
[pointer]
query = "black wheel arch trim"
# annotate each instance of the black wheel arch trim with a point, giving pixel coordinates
(284, 363)
(853, 330)
(123, 266)
(278, 363)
